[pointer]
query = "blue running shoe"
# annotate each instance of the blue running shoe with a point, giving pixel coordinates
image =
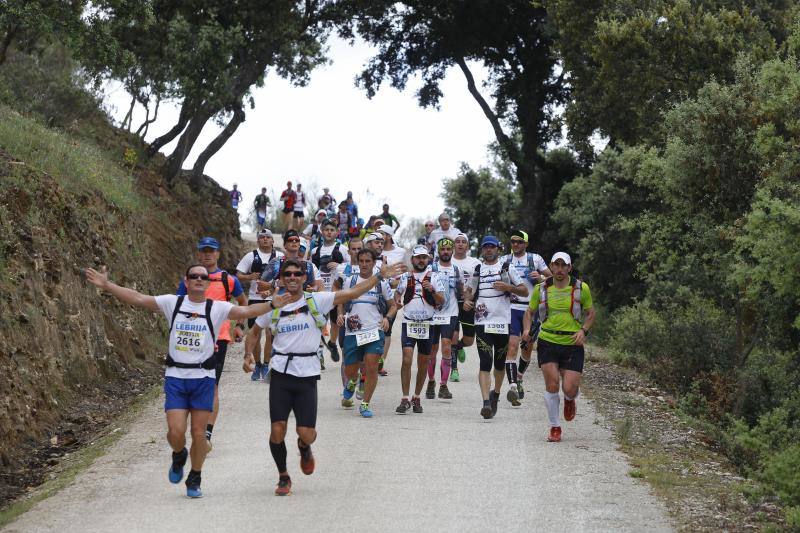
(194, 492)
(365, 411)
(176, 468)
(349, 389)
(256, 374)
(193, 485)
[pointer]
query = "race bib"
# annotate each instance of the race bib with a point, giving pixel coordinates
(497, 329)
(189, 341)
(418, 330)
(366, 337)
(441, 320)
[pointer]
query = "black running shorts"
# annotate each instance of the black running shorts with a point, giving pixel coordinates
(568, 356)
(251, 321)
(492, 350)
(467, 321)
(289, 393)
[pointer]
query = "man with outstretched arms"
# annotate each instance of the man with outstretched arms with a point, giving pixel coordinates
(296, 325)
(366, 320)
(445, 320)
(445, 229)
(490, 288)
(531, 269)
(565, 309)
(222, 287)
(250, 269)
(189, 383)
(420, 291)
(327, 257)
(466, 319)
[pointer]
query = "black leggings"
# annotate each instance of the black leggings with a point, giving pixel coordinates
(492, 350)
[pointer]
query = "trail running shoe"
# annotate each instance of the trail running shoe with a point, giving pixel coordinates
(284, 487)
(266, 375)
(512, 395)
(360, 391)
(334, 351)
(493, 399)
(555, 434)
(486, 412)
(193, 486)
(364, 409)
(347, 404)
(444, 392)
(520, 388)
(569, 409)
(349, 390)
(430, 392)
(404, 406)
(176, 468)
(455, 376)
(256, 374)
(416, 405)
(382, 372)
(307, 461)
(462, 355)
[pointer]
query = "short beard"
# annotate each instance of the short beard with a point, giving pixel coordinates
(419, 268)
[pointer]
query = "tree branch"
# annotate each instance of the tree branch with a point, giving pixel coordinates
(219, 141)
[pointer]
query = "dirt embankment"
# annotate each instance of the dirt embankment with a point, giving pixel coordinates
(70, 358)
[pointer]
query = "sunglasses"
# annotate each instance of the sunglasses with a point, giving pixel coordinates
(517, 241)
(292, 274)
(293, 239)
(429, 225)
(203, 277)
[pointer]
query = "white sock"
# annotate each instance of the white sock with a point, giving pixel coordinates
(553, 403)
(578, 393)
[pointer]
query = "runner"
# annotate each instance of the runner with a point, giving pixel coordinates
(561, 303)
(489, 293)
(345, 271)
(343, 222)
(250, 269)
(296, 325)
(466, 319)
(445, 320)
(288, 198)
(189, 384)
(299, 208)
(367, 319)
(389, 218)
(313, 231)
(261, 203)
(445, 229)
(421, 291)
(236, 197)
(327, 258)
(222, 287)
(328, 202)
(425, 240)
(531, 269)
(391, 254)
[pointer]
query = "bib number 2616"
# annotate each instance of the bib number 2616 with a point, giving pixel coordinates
(418, 330)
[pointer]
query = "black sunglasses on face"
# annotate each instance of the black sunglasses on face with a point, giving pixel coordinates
(292, 274)
(292, 239)
(517, 241)
(203, 277)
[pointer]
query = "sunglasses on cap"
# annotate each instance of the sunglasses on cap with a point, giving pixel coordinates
(292, 274)
(203, 277)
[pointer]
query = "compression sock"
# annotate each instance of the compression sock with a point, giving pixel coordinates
(431, 368)
(179, 458)
(279, 455)
(577, 393)
(209, 430)
(445, 368)
(511, 372)
(523, 365)
(453, 358)
(552, 401)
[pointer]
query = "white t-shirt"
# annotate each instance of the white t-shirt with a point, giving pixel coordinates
(329, 277)
(523, 269)
(246, 264)
(395, 255)
(364, 315)
(450, 308)
(300, 202)
(297, 334)
(493, 306)
(190, 341)
(418, 309)
(467, 267)
(438, 233)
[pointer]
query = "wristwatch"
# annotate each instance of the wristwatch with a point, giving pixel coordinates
(585, 332)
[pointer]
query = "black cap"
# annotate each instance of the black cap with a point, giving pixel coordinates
(290, 233)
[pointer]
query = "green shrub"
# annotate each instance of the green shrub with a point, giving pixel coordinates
(782, 473)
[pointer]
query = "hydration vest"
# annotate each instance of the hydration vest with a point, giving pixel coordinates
(427, 296)
(208, 364)
(504, 276)
(459, 285)
(258, 263)
(336, 255)
(310, 308)
(383, 305)
(575, 298)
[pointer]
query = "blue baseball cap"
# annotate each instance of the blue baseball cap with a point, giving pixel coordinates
(490, 240)
(208, 242)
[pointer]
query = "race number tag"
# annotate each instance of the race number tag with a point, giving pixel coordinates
(441, 320)
(366, 337)
(190, 341)
(418, 330)
(497, 329)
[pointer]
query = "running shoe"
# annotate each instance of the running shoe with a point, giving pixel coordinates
(266, 375)
(512, 395)
(570, 408)
(284, 487)
(349, 390)
(256, 373)
(347, 404)
(444, 392)
(430, 392)
(404, 406)
(555, 434)
(307, 462)
(416, 405)
(209, 445)
(520, 388)
(334, 351)
(360, 391)
(364, 409)
(486, 412)
(462, 355)
(493, 399)
(455, 376)
(193, 486)
(382, 372)
(176, 469)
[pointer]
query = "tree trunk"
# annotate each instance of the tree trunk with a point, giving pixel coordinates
(219, 141)
(5, 44)
(185, 144)
(142, 131)
(167, 138)
(128, 120)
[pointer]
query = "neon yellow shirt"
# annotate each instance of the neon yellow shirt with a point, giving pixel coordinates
(559, 313)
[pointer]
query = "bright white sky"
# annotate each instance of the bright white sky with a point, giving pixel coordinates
(329, 134)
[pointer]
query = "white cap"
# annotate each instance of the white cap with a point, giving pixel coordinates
(420, 250)
(321, 212)
(371, 237)
(304, 244)
(564, 256)
(387, 229)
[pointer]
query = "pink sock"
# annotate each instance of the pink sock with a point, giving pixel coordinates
(431, 368)
(445, 367)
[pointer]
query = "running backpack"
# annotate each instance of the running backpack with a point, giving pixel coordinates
(459, 287)
(427, 296)
(336, 255)
(258, 263)
(383, 305)
(208, 364)
(311, 308)
(504, 276)
(575, 298)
